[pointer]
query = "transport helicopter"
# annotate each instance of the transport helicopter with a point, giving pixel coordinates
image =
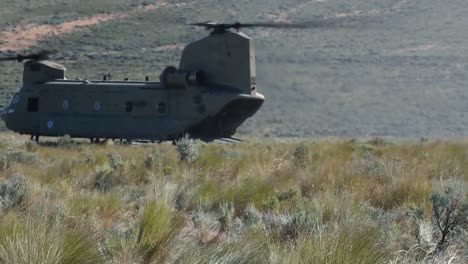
(210, 94)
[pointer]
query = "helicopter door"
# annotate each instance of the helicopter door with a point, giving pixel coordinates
(33, 105)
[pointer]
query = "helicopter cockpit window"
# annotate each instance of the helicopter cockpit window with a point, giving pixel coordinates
(15, 100)
(33, 104)
(128, 107)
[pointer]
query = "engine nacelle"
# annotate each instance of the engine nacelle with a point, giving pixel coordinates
(179, 79)
(42, 71)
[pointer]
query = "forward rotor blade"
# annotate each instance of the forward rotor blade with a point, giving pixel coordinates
(202, 24)
(8, 58)
(41, 55)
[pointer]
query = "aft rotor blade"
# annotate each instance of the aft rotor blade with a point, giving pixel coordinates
(331, 22)
(271, 25)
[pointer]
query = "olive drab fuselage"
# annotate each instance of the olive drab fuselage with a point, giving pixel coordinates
(209, 96)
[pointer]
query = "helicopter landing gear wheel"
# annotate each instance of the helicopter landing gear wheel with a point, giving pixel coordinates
(95, 140)
(122, 141)
(35, 138)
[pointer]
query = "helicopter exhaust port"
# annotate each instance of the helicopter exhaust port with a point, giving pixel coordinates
(173, 78)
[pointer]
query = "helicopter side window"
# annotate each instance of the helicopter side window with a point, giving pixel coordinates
(161, 108)
(97, 106)
(128, 107)
(33, 104)
(66, 104)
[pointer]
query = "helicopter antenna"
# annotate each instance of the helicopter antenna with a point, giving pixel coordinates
(41, 55)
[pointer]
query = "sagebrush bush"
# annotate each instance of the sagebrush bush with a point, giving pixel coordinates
(13, 156)
(450, 210)
(187, 149)
(251, 215)
(13, 192)
(373, 166)
(115, 160)
(65, 142)
(106, 178)
(30, 146)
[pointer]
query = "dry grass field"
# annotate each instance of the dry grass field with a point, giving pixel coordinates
(316, 201)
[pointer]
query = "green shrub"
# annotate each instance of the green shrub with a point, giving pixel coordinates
(377, 141)
(301, 155)
(226, 217)
(288, 194)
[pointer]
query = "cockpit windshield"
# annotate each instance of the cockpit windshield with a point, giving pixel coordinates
(14, 101)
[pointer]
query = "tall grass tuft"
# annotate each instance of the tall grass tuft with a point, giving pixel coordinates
(252, 247)
(158, 226)
(346, 245)
(34, 239)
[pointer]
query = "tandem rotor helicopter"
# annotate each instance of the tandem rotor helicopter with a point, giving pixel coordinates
(210, 94)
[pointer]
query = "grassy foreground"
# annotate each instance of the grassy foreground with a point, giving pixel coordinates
(268, 202)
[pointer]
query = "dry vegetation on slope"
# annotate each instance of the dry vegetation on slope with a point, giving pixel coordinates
(268, 202)
(400, 70)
